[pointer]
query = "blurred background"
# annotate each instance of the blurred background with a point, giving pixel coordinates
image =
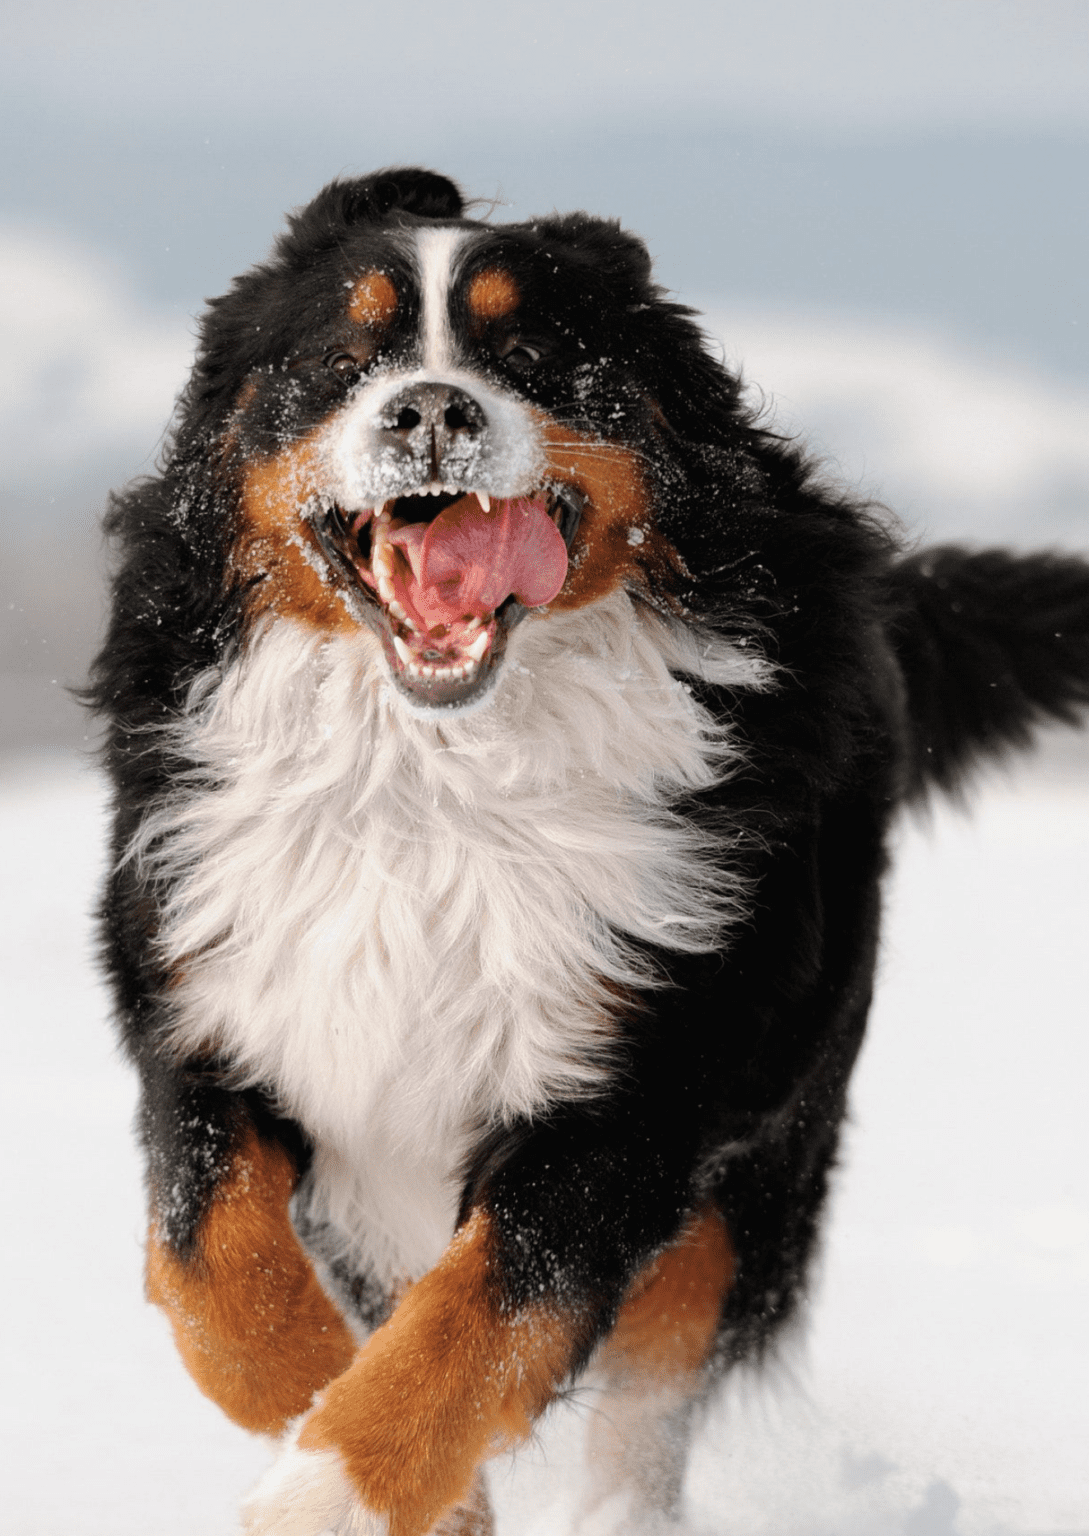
(881, 207)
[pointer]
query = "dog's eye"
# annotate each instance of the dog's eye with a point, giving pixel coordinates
(345, 366)
(521, 355)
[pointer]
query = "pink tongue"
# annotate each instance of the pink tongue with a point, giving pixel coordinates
(466, 562)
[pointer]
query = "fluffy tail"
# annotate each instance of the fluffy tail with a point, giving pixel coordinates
(990, 644)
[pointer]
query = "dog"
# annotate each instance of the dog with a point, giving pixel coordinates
(505, 729)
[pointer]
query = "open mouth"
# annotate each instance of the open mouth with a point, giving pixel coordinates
(442, 574)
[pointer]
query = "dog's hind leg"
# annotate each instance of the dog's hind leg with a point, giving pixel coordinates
(650, 1373)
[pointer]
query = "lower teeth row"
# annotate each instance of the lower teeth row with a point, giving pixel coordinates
(446, 674)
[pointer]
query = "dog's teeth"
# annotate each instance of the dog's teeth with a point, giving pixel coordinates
(476, 650)
(485, 501)
(436, 488)
(401, 616)
(402, 650)
(383, 575)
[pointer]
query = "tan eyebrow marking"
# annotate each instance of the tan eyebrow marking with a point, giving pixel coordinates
(373, 299)
(493, 294)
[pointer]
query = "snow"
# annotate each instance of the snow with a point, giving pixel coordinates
(942, 1387)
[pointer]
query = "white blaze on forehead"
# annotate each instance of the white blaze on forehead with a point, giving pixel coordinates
(437, 253)
(363, 465)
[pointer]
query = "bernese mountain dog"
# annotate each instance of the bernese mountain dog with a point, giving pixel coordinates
(504, 729)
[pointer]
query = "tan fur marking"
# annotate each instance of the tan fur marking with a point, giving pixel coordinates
(445, 1383)
(650, 1369)
(616, 544)
(275, 548)
(493, 294)
(253, 1326)
(373, 300)
(667, 1325)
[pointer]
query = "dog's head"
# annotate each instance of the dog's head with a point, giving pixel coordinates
(431, 425)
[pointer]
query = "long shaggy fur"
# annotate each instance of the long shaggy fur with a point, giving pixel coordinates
(505, 730)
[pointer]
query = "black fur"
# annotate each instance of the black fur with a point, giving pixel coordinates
(894, 674)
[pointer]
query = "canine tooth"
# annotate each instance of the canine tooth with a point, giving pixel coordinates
(476, 649)
(485, 501)
(402, 650)
(397, 609)
(474, 623)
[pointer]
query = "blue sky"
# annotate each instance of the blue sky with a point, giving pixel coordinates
(849, 63)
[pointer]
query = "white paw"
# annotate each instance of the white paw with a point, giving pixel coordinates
(308, 1493)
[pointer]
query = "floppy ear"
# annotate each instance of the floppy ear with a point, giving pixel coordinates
(365, 199)
(610, 254)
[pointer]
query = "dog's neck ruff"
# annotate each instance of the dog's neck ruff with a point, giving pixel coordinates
(408, 926)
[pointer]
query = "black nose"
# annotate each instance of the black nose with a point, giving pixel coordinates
(429, 420)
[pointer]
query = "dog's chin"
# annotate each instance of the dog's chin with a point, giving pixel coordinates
(439, 683)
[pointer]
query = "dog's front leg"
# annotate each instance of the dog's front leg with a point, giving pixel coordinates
(251, 1322)
(558, 1218)
(396, 1441)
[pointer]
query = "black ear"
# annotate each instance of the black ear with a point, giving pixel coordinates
(367, 199)
(603, 248)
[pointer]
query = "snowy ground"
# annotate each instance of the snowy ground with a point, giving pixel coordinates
(944, 1386)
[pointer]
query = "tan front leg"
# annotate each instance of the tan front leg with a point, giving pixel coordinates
(251, 1322)
(396, 1442)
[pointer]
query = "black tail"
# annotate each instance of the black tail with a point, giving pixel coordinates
(991, 644)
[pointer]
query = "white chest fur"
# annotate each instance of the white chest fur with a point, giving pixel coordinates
(406, 926)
